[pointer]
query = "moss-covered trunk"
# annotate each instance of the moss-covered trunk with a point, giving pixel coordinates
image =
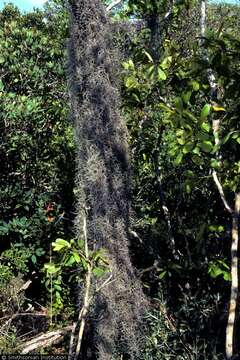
(103, 178)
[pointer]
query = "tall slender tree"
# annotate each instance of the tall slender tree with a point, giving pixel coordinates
(216, 127)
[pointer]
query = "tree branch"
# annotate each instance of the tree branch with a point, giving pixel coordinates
(221, 192)
(112, 5)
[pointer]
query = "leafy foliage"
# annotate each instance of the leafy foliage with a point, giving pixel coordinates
(180, 230)
(36, 146)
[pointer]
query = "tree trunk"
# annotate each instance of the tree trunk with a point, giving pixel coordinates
(232, 312)
(103, 181)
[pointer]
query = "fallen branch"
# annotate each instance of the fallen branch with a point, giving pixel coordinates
(14, 316)
(45, 340)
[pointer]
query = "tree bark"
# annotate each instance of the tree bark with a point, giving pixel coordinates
(232, 312)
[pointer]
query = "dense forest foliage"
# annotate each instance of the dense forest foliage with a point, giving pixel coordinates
(153, 85)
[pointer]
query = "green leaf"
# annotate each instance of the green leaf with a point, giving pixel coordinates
(178, 159)
(161, 74)
(128, 65)
(227, 276)
(162, 274)
(188, 147)
(215, 164)
(188, 188)
(84, 264)
(186, 96)
(179, 104)
(165, 64)
(181, 141)
(195, 85)
(1, 86)
(80, 243)
(40, 252)
(70, 261)
(131, 83)
(34, 259)
(57, 287)
(205, 111)
(99, 272)
(76, 257)
(51, 268)
(206, 146)
(59, 244)
(205, 126)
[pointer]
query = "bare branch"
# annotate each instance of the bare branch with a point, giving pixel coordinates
(112, 5)
(221, 192)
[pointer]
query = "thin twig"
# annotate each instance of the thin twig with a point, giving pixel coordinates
(105, 283)
(87, 298)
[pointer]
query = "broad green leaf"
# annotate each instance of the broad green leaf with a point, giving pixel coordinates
(98, 271)
(181, 141)
(60, 244)
(205, 111)
(206, 146)
(187, 147)
(178, 159)
(80, 243)
(161, 74)
(186, 96)
(51, 268)
(215, 164)
(205, 126)
(76, 257)
(57, 287)
(166, 62)
(70, 261)
(131, 83)
(227, 276)
(128, 65)
(195, 85)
